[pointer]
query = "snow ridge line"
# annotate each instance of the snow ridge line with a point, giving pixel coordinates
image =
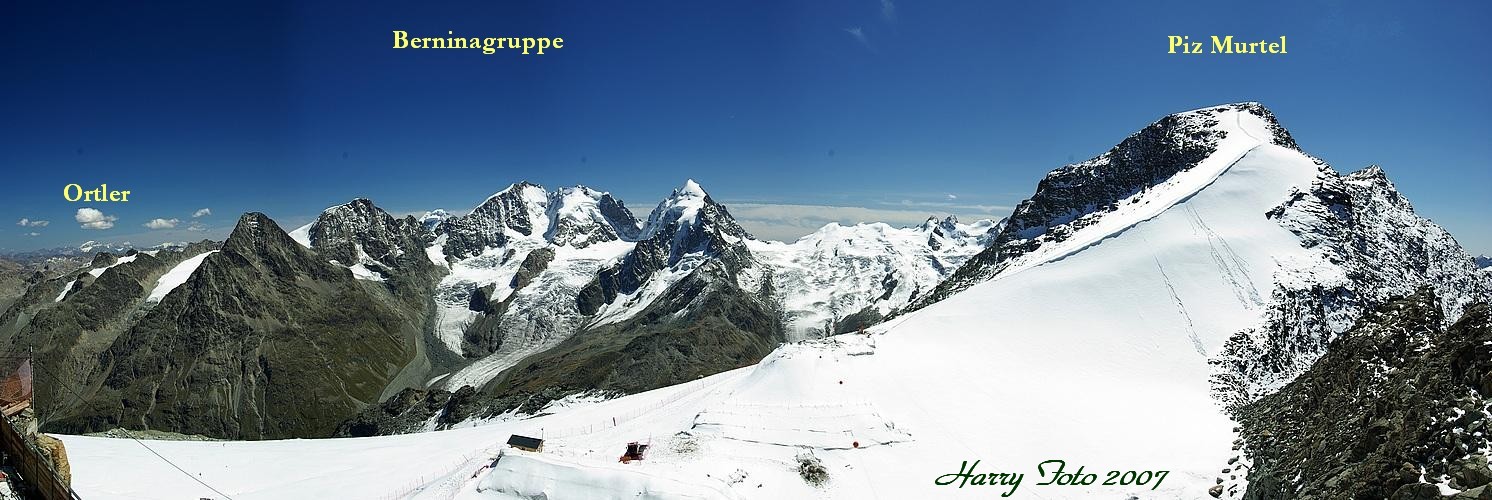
(1094, 241)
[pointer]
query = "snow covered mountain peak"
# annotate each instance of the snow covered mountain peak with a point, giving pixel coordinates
(579, 216)
(932, 222)
(681, 206)
(691, 189)
(690, 207)
(1145, 174)
(433, 218)
(1252, 117)
(516, 189)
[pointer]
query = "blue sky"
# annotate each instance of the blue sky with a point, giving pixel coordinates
(863, 109)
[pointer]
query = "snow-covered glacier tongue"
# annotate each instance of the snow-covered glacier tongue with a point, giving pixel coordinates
(528, 251)
(843, 278)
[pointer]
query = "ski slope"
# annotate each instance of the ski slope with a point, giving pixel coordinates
(1094, 352)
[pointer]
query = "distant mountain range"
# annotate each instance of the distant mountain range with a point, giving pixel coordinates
(1206, 257)
(289, 334)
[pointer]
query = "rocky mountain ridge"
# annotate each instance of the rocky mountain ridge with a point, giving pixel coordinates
(1396, 408)
(1080, 195)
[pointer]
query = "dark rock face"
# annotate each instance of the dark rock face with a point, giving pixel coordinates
(265, 340)
(1077, 195)
(674, 230)
(410, 411)
(467, 235)
(858, 320)
(359, 232)
(1398, 397)
(415, 410)
(723, 327)
(533, 264)
(481, 300)
(1362, 224)
(623, 222)
(573, 223)
(485, 335)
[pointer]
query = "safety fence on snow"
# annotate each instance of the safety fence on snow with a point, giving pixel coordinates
(828, 426)
(683, 390)
(417, 484)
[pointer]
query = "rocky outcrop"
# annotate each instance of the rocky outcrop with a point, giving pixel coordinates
(411, 410)
(580, 216)
(487, 225)
(1371, 247)
(359, 232)
(54, 451)
(1398, 401)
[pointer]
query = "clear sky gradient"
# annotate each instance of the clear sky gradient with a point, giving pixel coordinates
(856, 109)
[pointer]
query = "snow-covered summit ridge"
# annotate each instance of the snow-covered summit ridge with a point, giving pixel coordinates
(576, 216)
(1148, 172)
(683, 208)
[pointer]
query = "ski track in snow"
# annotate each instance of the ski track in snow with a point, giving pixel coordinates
(1191, 326)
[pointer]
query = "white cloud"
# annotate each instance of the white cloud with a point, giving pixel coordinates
(788, 222)
(91, 218)
(859, 35)
(202, 212)
(888, 11)
(952, 197)
(162, 223)
(33, 234)
(32, 223)
(196, 226)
